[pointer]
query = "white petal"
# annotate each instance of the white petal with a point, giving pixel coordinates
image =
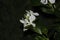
(25, 25)
(25, 29)
(36, 14)
(33, 24)
(32, 18)
(27, 11)
(22, 21)
(28, 15)
(52, 1)
(44, 1)
(31, 12)
(26, 21)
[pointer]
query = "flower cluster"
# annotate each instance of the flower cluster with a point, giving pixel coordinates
(29, 18)
(46, 1)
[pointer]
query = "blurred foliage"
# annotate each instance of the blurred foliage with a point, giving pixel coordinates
(40, 38)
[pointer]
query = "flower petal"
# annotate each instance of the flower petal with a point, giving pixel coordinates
(27, 12)
(25, 24)
(52, 1)
(25, 29)
(36, 14)
(31, 12)
(26, 21)
(32, 18)
(28, 15)
(22, 21)
(44, 1)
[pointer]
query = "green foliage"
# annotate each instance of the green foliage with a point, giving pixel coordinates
(48, 10)
(44, 30)
(41, 38)
(37, 30)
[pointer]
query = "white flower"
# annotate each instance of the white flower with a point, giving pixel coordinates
(52, 1)
(30, 17)
(44, 1)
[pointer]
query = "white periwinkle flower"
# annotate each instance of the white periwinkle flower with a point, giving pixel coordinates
(30, 17)
(46, 1)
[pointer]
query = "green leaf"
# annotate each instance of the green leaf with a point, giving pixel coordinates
(44, 30)
(41, 38)
(37, 30)
(49, 11)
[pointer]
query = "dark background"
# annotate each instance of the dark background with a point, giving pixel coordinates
(10, 13)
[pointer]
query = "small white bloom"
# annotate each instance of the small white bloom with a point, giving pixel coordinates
(44, 1)
(28, 15)
(52, 1)
(29, 18)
